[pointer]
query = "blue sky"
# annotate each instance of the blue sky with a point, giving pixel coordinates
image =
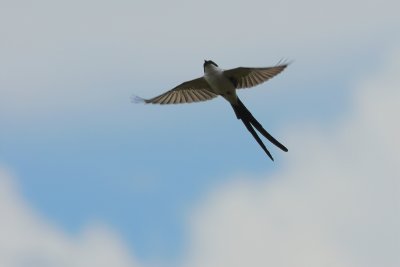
(78, 153)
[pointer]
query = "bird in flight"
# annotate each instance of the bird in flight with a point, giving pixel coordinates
(217, 81)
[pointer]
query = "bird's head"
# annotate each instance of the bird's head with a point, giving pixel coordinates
(209, 63)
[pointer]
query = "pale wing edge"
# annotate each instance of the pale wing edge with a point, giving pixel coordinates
(178, 97)
(243, 77)
(196, 90)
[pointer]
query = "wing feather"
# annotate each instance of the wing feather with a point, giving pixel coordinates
(187, 96)
(195, 96)
(191, 91)
(248, 77)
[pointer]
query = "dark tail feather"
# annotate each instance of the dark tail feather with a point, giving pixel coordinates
(244, 114)
(251, 130)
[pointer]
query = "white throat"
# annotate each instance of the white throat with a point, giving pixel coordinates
(211, 69)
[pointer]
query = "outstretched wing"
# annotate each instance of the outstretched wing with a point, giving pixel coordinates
(248, 77)
(191, 91)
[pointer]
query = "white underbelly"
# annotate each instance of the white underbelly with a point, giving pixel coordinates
(222, 86)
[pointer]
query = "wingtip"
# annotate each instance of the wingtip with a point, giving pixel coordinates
(137, 99)
(284, 62)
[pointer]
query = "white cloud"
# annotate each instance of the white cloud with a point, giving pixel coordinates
(27, 239)
(336, 204)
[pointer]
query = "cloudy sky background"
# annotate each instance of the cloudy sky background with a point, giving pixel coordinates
(87, 178)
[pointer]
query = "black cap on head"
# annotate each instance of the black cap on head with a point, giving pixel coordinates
(208, 62)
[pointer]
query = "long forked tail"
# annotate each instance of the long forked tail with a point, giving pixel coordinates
(249, 121)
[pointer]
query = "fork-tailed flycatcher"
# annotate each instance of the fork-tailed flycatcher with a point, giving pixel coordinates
(217, 81)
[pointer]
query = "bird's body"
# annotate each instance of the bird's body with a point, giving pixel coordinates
(217, 81)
